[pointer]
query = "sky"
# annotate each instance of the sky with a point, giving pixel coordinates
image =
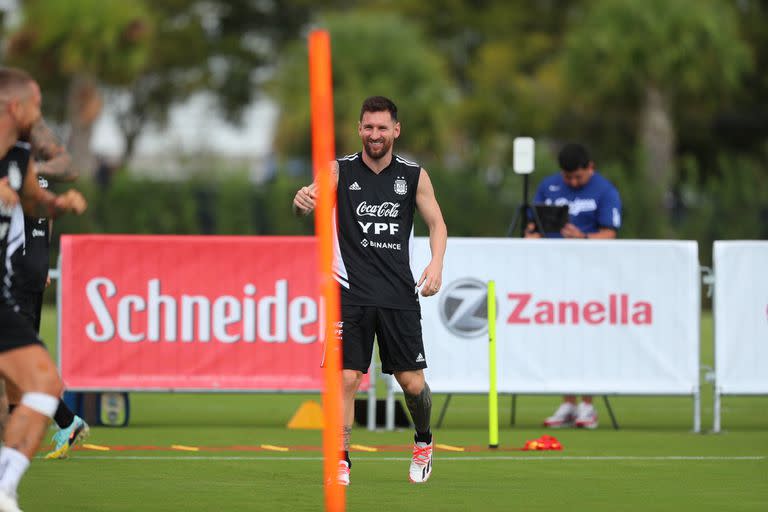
(195, 127)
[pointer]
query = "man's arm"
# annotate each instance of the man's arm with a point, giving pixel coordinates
(8, 196)
(571, 231)
(54, 161)
(38, 202)
(305, 200)
(432, 277)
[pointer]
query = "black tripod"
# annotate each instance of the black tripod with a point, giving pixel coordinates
(521, 215)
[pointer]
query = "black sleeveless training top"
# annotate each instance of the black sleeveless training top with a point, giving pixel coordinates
(375, 233)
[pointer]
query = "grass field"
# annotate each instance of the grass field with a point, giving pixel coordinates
(653, 463)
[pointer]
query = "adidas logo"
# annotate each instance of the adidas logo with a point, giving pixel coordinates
(420, 358)
(355, 186)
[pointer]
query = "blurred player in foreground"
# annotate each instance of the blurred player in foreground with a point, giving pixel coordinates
(30, 264)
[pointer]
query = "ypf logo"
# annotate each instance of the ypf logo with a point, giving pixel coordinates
(464, 307)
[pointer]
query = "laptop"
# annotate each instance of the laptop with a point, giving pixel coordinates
(552, 218)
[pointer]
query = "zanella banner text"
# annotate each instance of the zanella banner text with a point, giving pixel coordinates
(573, 316)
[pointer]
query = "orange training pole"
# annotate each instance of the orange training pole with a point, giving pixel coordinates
(321, 96)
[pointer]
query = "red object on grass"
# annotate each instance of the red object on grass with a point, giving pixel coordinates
(545, 442)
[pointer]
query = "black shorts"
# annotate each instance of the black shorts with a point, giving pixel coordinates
(30, 303)
(398, 332)
(15, 330)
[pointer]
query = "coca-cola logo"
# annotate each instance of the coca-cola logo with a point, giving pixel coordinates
(154, 317)
(386, 209)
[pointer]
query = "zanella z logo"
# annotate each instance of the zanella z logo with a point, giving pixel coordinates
(464, 308)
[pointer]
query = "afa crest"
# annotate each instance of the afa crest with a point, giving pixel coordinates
(401, 186)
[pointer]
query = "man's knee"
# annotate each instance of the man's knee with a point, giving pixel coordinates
(45, 381)
(350, 380)
(30, 369)
(412, 383)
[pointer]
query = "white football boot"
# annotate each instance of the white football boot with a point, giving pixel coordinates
(421, 463)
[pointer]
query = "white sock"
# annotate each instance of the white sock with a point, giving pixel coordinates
(13, 464)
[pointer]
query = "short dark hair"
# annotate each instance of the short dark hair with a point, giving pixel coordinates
(572, 157)
(379, 104)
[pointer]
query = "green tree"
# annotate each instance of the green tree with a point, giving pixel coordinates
(650, 60)
(743, 125)
(372, 54)
(150, 56)
(73, 48)
(504, 57)
(225, 48)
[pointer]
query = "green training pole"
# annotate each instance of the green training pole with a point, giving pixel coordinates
(493, 395)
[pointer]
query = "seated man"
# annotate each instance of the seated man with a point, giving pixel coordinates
(594, 213)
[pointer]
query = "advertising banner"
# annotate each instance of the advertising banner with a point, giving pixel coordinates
(190, 313)
(615, 316)
(741, 317)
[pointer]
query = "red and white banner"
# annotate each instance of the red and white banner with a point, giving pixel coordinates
(190, 313)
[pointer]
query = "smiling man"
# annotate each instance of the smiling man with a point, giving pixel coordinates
(377, 193)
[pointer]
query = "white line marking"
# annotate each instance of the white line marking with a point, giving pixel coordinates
(543, 458)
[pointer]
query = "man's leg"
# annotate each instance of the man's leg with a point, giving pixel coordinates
(32, 370)
(358, 326)
(418, 398)
(350, 383)
(72, 428)
(402, 354)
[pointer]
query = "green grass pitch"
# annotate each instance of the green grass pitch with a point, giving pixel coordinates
(654, 462)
